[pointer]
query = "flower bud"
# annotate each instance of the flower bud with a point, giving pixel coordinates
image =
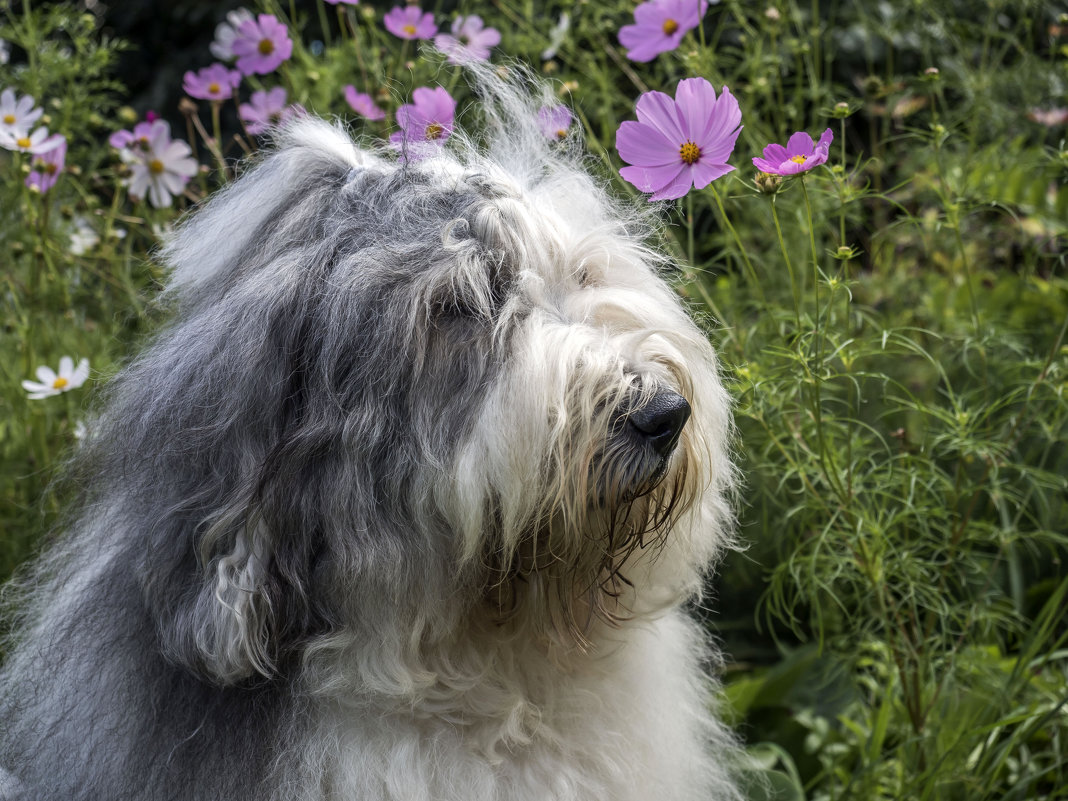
(767, 183)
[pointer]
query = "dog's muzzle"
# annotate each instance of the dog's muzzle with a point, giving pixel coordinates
(660, 422)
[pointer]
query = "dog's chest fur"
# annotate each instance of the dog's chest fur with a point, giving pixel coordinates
(626, 724)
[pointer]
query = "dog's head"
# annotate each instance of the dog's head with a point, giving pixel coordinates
(400, 398)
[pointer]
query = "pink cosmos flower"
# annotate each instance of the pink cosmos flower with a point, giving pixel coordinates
(121, 140)
(410, 22)
(676, 144)
(226, 32)
(17, 115)
(363, 104)
(1049, 117)
(469, 40)
(25, 142)
(160, 169)
(261, 45)
(659, 27)
(424, 124)
(48, 164)
(553, 121)
(798, 156)
(264, 109)
(211, 83)
(344, 2)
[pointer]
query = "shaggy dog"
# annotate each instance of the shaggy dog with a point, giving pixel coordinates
(405, 503)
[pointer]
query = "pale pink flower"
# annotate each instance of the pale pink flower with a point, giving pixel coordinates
(262, 45)
(162, 169)
(48, 164)
(469, 40)
(681, 143)
(410, 22)
(363, 104)
(264, 109)
(226, 33)
(554, 121)
(659, 26)
(425, 123)
(211, 83)
(799, 155)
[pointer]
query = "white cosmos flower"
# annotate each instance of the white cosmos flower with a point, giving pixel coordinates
(163, 168)
(83, 238)
(226, 32)
(37, 142)
(49, 383)
(556, 36)
(17, 114)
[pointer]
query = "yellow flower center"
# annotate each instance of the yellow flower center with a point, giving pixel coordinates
(23, 141)
(799, 159)
(155, 166)
(60, 382)
(9, 119)
(561, 133)
(434, 130)
(49, 167)
(409, 29)
(690, 152)
(266, 47)
(214, 88)
(670, 26)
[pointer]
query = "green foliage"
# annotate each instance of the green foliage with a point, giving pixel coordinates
(892, 326)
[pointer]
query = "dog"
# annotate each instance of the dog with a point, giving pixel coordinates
(409, 500)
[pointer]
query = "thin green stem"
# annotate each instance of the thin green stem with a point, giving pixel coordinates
(738, 243)
(789, 264)
(324, 23)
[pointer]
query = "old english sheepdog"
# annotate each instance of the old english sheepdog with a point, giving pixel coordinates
(408, 501)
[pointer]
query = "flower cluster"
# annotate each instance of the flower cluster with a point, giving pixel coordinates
(684, 143)
(17, 116)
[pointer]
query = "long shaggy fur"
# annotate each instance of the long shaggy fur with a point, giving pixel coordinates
(369, 520)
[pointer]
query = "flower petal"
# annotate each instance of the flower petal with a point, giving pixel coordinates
(696, 102)
(644, 146)
(800, 144)
(676, 189)
(80, 374)
(660, 111)
(653, 179)
(703, 174)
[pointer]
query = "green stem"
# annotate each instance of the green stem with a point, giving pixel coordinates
(324, 23)
(738, 242)
(789, 264)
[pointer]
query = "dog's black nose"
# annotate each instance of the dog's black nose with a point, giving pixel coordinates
(660, 421)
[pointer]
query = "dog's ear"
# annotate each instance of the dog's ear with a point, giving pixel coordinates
(241, 611)
(306, 156)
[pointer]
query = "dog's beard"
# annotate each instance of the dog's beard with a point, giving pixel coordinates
(570, 569)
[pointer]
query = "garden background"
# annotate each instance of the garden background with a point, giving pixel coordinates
(891, 321)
